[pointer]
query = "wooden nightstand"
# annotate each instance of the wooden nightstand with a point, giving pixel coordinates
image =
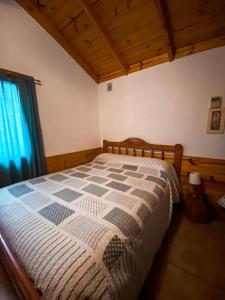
(197, 207)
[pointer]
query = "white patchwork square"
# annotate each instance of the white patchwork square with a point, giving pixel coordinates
(49, 186)
(122, 199)
(98, 173)
(149, 171)
(92, 204)
(35, 200)
(75, 183)
(143, 184)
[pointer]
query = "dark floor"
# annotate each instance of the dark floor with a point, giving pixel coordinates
(190, 264)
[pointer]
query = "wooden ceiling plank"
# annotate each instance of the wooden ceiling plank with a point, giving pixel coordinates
(199, 47)
(136, 67)
(164, 22)
(43, 21)
(191, 49)
(101, 28)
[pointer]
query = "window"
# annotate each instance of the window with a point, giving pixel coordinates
(15, 143)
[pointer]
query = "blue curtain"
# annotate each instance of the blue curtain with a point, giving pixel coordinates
(21, 145)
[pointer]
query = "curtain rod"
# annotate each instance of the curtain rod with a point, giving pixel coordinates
(36, 81)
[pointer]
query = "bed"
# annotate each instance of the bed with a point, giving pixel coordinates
(90, 232)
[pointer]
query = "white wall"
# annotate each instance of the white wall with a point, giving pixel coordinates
(167, 104)
(68, 97)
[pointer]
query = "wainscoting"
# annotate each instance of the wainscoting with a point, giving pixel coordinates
(210, 169)
(212, 172)
(69, 160)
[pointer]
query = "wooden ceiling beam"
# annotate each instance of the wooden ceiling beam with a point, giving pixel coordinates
(44, 22)
(182, 52)
(164, 22)
(159, 59)
(101, 28)
(201, 46)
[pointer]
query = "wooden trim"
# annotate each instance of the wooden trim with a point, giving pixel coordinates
(61, 162)
(210, 169)
(136, 143)
(191, 49)
(89, 10)
(164, 22)
(36, 14)
(199, 47)
(136, 67)
(16, 274)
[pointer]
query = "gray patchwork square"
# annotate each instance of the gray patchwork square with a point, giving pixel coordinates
(58, 177)
(98, 179)
(115, 170)
(129, 167)
(134, 174)
(148, 197)
(124, 221)
(56, 213)
(164, 175)
(143, 213)
(68, 195)
(117, 176)
(122, 199)
(75, 183)
(88, 165)
(83, 169)
(95, 190)
(79, 175)
(158, 191)
(113, 251)
(118, 186)
(37, 180)
(20, 190)
(99, 162)
(99, 167)
(157, 180)
(35, 200)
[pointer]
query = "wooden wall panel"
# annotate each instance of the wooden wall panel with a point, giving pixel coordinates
(209, 168)
(69, 160)
(212, 170)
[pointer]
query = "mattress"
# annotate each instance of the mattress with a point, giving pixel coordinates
(91, 232)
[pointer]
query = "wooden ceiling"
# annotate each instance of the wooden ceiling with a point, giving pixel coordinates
(110, 38)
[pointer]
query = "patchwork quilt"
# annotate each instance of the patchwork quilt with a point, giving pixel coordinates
(91, 232)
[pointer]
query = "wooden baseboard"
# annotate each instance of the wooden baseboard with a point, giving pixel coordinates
(69, 160)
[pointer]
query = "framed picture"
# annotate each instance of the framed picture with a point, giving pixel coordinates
(216, 120)
(216, 102)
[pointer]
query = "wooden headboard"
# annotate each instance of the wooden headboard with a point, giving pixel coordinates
(138, 147)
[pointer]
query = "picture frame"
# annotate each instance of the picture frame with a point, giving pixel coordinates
(216, 102)
(216, 120)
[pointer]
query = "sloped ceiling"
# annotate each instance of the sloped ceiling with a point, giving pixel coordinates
(111, 38)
